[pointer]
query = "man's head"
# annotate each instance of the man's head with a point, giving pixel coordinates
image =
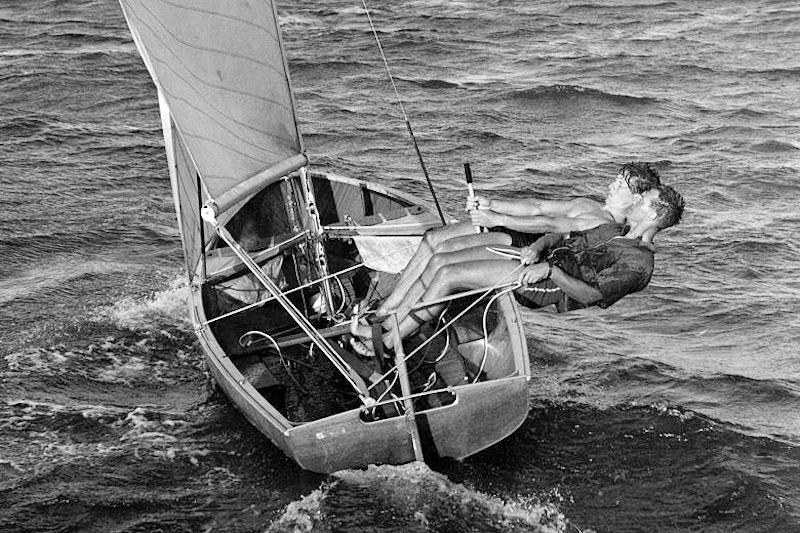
(668, 205)
(640, 177)
(632, 179)
(660, 207)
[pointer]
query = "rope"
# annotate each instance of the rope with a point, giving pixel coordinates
(280, 355)
(405, 117)
(486, 330)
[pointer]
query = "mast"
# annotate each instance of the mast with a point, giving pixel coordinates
(317, 243)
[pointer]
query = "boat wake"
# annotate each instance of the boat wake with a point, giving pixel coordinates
(163, 307)
(413, 497)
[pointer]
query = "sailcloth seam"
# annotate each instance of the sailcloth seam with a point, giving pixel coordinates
(221, 15)
(204, 48)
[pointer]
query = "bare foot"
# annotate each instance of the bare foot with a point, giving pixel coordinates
(361, 347)
(390, 302)
(385, 309)
(360, 328)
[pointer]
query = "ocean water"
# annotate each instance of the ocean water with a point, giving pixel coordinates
(677, 409)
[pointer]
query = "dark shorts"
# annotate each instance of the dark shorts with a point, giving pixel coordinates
(541, 294)
(518, 238)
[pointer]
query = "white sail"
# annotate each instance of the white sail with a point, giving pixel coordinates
(187, 204)
(220, 71)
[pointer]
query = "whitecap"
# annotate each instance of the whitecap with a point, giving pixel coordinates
(170, 304)
(412, 486)
(303, 515)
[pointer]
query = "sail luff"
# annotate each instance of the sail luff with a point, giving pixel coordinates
(169, 146)
(187, 189)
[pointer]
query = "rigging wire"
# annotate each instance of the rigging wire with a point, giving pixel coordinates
(405, 117)
(304, 286)
(338, 362)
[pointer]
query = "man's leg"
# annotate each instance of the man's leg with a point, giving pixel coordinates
(450, 279)
(431, 239)
(455, 241)
(436, 262)
(450, 255)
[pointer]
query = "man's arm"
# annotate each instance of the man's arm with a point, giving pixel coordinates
(531, 254)
(575, 288)
(537, 224)
(572, 287)
(531, 207)
(624, 277)
(630, 272)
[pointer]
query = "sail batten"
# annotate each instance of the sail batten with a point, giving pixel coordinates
(220, 69)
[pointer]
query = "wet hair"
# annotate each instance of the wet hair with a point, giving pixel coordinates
(640, 177)
(668, 206)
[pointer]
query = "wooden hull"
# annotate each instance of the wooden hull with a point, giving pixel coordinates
(480, 415)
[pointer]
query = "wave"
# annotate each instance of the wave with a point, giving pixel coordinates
(431, 83)
(568, 93)
(722, 397)
(122, 357)
(52, 252)
(747, 113)
(295, 22)
(415, 497)
(103, 393)
(24, 126)
(169, 305)
(760, 246)
(763, 409)
(793, 72)
(302, 516)
(467, 139)
(58, 272)
(33, 129)
(90, 45)
(315, 67)
(635, 7)
(66, 434)
(602, 460)
(732, 132)
(774, 146)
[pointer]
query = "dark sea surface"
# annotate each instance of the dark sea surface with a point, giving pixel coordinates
(677, 409)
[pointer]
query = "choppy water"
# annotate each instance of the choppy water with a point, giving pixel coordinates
(675, 410)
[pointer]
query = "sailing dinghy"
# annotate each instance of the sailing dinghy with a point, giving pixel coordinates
(278, 256)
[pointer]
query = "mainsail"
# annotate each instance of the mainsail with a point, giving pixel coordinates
(226, 100)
